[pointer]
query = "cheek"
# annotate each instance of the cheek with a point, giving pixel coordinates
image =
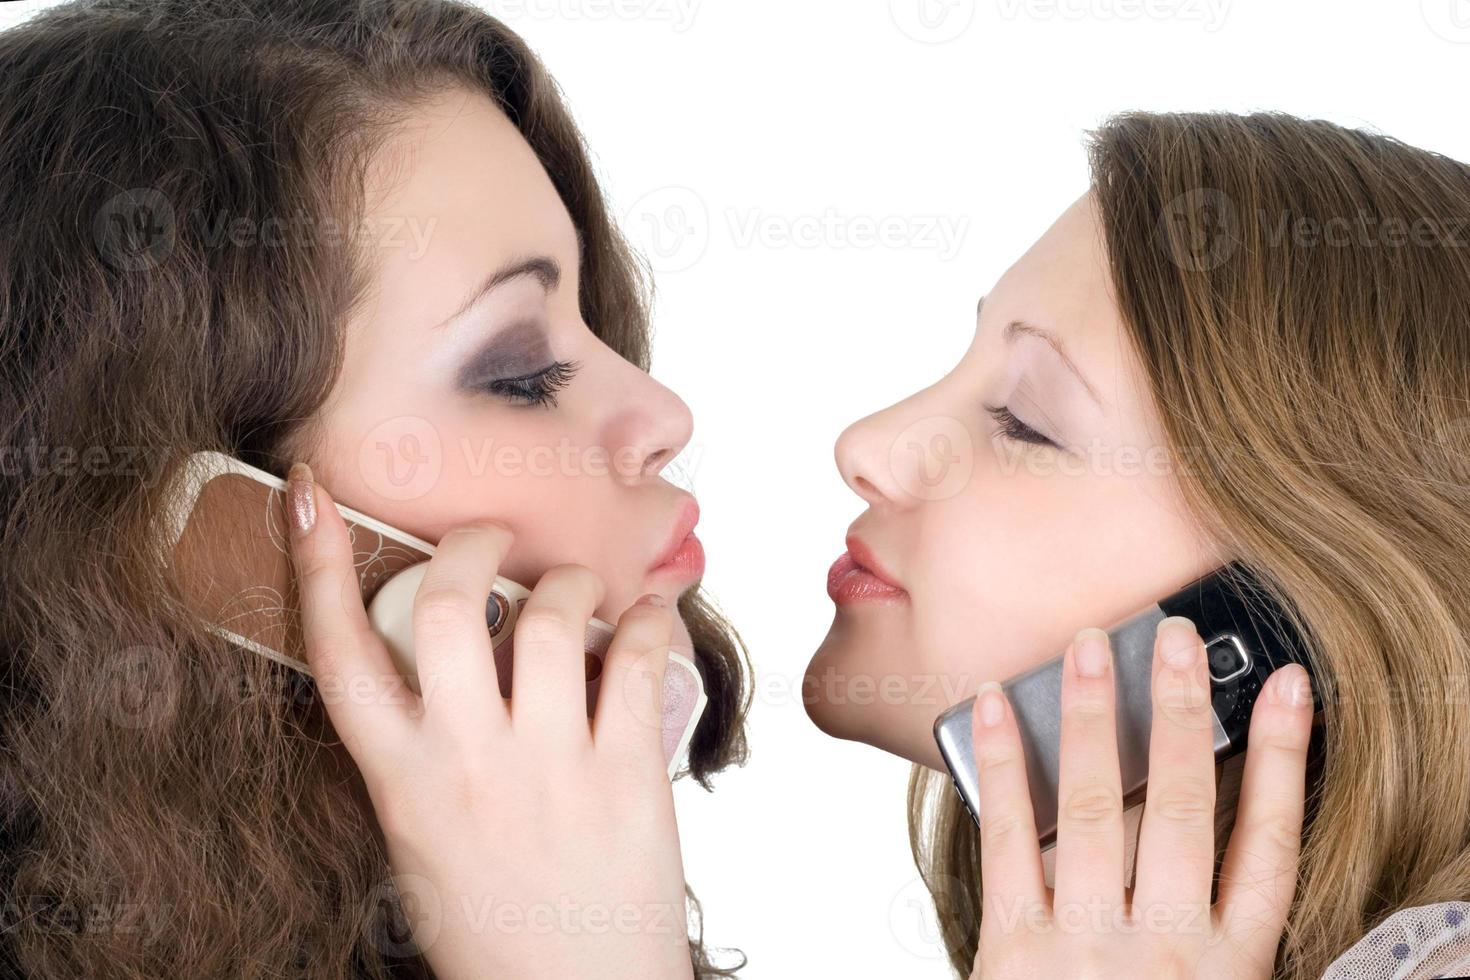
(532, 470)
(1018, 566)
(993, 562)
(1008, 566)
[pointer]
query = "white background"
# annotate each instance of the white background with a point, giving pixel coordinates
(752, 148)
(794, 112)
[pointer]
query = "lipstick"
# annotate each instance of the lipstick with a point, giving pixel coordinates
(683, 556)
(856, 576)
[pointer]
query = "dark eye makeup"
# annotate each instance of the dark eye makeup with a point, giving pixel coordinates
(516, 364)
(1013, 428)
(539, 388)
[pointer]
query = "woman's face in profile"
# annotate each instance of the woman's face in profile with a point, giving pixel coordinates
(471, 387)
(990, 538)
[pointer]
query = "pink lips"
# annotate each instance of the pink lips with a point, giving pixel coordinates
(856, 577)
(684, 554)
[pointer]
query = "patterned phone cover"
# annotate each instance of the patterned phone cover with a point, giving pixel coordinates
(228, 544)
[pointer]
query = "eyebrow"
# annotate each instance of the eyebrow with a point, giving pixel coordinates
(1017, 328)
(543, 268)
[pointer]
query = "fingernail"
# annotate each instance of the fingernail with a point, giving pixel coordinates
(300, 498)
(1298, 687)
(1090, 651)
(1179, 643)
(992, 705)
(652, 599)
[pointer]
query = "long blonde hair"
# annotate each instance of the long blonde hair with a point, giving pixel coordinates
(1298, 294)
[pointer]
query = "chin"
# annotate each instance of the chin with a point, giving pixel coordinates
(903, 730)
(825, 715)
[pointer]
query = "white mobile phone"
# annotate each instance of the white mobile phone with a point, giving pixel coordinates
(227, 541)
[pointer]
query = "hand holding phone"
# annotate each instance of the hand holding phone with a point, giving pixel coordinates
(226, 543)
(1246, 636)
(1173, 928)
(490, 807)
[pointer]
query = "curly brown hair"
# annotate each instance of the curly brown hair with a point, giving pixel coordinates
(171, 807)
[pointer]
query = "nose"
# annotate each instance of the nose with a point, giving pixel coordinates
(652, 427)
(866, 458)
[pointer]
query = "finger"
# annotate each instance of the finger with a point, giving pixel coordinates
(629, 714)
(1010, 856)
(549, 676)
(452, 651)
(363, 693)
(1089, 862)
(1258, 874)
(1176, 843)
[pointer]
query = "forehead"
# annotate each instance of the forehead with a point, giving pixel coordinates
(1062, 284)
(455, 192)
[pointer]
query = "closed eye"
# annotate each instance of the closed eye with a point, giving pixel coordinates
(539, 388)
(1013, 428)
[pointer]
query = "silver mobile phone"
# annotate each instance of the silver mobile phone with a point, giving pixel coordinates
(1246, 637)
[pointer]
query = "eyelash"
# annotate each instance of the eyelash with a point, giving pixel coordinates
(536, 389)
(1013, 428)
